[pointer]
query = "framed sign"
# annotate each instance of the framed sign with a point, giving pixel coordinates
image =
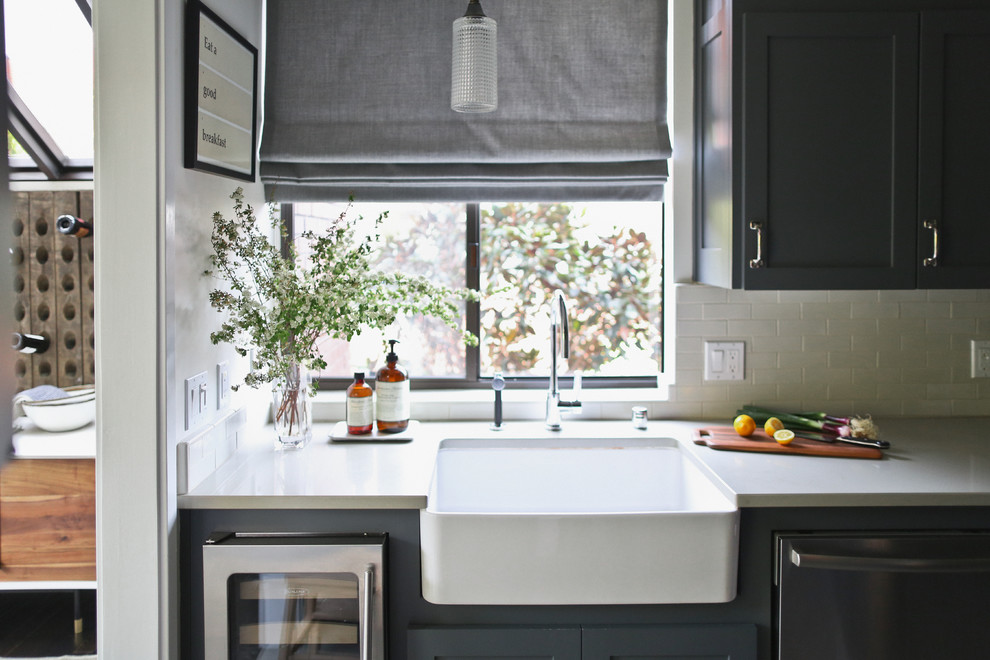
(221, 72)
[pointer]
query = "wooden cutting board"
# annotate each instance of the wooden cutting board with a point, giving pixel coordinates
(725, 437)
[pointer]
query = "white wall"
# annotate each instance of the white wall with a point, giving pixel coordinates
(153, 316)
(7, 384)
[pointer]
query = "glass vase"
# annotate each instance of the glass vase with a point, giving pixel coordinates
(292, 409)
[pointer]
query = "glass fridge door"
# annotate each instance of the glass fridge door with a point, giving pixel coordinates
(293, 615)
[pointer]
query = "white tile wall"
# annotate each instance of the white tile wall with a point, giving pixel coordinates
(851, 352)
(198, 457)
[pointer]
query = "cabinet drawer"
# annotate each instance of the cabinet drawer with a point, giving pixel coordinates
(48, 520)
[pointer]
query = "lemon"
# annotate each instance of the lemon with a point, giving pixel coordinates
(783, 436)
(744, 425)
(772, 425)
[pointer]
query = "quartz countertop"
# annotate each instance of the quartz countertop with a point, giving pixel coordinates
(32, 442)
(931, 462)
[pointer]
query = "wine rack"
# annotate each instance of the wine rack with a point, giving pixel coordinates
(53, 285)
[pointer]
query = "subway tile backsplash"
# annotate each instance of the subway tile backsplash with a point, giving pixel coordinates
(878, 352)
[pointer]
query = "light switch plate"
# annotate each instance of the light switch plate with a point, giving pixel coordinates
(725, 360)
(980, 358)
(223, 385)
(195, 400)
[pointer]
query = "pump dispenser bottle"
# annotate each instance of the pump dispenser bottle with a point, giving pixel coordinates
(392, 394)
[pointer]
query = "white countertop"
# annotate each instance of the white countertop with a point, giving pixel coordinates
(931, 462)
(32, 442)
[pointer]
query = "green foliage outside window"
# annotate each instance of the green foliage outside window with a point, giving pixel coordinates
(611, 281)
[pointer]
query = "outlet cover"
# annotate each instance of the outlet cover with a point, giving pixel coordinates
(725, 360)
(980, 358)
(195, 401)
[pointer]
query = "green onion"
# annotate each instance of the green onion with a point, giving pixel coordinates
(790, 420)
(856, 427)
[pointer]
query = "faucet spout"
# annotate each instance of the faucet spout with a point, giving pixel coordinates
(559, 346)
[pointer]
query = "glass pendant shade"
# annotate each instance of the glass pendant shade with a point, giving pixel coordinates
(474, 73)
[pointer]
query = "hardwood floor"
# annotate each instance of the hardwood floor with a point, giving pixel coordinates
(36, 624)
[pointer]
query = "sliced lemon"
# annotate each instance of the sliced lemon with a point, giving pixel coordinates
(783, 436)
(772, 425)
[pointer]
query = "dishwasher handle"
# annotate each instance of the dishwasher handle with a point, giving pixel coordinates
(850, 562)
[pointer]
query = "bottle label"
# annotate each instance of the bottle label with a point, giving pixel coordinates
(360, 411)
(393, 401)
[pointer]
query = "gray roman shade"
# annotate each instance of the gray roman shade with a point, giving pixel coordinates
(357, 102)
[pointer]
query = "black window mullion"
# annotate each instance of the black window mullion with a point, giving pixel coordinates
(33, 137)
(289, 227)
(86, 7)
(472, 354)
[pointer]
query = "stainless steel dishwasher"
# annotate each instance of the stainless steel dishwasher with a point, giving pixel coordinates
(883, 596)
(313, 596)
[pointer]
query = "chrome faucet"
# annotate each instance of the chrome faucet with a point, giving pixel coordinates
(558, 327)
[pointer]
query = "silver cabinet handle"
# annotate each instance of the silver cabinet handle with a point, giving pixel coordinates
(890, 564)
(932, 261)
(758, 261)
(369, 596)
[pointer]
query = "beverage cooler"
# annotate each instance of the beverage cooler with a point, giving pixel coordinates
(294, 596)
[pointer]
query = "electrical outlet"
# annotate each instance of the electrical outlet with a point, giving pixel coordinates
(725, 360)
(980, 358)
(195, 402)
(223, 385)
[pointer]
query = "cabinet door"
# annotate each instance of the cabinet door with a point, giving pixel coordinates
(954, 195)
(465, 643)
(725, 641)
(48, 520)
(829, 150)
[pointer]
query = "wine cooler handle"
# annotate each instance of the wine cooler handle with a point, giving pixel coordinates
(758, 261)
(369, 596)
(932, 261)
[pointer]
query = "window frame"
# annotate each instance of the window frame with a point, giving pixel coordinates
(473, 380)
(45, 160)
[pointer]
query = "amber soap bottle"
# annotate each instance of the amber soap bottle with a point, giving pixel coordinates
(392, 394)
(360, 406)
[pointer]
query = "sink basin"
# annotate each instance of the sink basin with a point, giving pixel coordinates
(555, 520)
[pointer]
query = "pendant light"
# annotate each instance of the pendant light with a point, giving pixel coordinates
(474, 72)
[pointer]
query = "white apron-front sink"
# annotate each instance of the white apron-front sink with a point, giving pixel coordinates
(575, 521)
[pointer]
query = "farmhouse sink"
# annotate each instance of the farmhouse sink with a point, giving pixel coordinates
(554, 520)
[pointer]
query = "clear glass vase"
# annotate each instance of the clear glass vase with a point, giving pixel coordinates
(292, 409)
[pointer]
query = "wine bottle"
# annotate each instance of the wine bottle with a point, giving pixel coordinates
(30, 343)
(70, 225)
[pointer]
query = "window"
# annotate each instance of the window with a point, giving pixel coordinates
(605, 256)
(49, 52)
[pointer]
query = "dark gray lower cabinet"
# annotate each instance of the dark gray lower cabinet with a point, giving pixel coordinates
(711, 642)
(674, 642)
(465, 643)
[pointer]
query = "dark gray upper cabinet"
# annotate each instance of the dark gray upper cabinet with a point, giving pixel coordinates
(832, 145)
(954, 146)
(829, 150)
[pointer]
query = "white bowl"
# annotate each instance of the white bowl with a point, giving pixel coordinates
(65, 414)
